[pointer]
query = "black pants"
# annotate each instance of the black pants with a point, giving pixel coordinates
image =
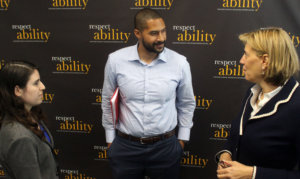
(132, 160)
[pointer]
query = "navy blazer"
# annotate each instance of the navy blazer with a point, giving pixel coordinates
(24, 155)
(269, 140)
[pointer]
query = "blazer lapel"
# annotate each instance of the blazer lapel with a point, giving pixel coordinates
(282, 97)
(51, 143)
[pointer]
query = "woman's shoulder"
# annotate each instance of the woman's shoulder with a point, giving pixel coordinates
(294, 95)
(12, 130)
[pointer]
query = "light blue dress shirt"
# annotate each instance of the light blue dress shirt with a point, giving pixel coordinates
(155, 97)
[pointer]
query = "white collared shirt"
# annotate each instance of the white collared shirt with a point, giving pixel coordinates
(267, 96)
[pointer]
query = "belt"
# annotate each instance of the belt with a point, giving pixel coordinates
(147, 140)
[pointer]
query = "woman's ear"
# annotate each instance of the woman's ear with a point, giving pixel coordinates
(265, 61)
(18, 91)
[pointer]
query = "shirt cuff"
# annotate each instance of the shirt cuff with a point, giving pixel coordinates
(110, 135)
(254, 172)
(184, 133)
(217, 156)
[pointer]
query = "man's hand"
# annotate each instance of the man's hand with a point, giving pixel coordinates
(108, 145)
(181, 143)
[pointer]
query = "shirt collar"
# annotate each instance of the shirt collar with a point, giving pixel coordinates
(162, 56)
(134, 56)
(284, 96)
(256, 89)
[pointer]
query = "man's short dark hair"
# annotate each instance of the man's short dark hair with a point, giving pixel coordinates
(142, 16)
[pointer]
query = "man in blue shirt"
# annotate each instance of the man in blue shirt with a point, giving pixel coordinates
(156, 95)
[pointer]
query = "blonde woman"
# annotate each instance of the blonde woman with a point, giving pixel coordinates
(264, 141)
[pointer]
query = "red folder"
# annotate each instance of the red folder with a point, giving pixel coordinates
(114, 103)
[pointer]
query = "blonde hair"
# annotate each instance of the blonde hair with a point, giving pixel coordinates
(283, 58)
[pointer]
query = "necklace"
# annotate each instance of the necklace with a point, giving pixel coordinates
(260, 97)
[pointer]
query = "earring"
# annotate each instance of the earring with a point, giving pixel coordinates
(262, 71)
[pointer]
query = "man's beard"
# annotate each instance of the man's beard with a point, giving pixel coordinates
(151, 47)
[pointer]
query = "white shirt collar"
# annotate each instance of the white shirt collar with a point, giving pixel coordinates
(256, 89)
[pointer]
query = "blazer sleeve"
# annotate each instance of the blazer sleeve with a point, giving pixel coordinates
(232, 141)
(22, 159)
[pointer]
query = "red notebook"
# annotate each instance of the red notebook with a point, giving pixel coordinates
(114, 103)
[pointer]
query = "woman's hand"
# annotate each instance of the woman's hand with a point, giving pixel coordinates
(225, 156)
(234, 170)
